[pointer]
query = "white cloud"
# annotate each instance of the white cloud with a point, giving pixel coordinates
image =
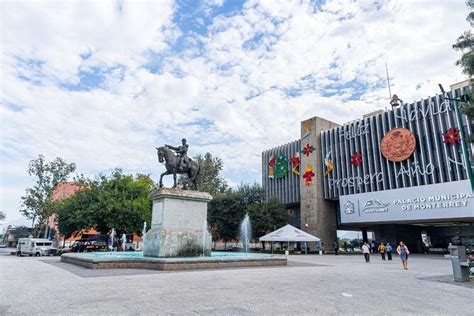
(241, 88)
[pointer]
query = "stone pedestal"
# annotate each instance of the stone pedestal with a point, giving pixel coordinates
(179, 224)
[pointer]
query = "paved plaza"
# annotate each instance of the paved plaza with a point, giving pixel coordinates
(311, 284)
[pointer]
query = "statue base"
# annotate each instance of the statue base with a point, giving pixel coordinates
(179, 224)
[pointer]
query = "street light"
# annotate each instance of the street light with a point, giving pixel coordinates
(467, 160)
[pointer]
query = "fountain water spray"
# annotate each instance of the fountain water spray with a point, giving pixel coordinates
(124, 241)
(112, 234)
(204, 237)
(245, 232)
(144, 234)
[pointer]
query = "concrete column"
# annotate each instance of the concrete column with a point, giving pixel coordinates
(364, 235)
(318, 213)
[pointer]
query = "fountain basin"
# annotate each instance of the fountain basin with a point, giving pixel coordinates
(136, 260)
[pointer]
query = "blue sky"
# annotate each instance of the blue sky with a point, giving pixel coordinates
(103, 83)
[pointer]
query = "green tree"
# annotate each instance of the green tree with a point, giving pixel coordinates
(76, 212)
(266, 217)
(228, 209)
(465, 44)
(225, 213)
(37, 201)
(2, 216)
(117, 201)
(250, 194)
(209, 179)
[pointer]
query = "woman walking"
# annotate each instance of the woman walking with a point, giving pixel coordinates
(403, 252)
(366, 252)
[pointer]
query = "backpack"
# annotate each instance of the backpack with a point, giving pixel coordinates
(389, 248)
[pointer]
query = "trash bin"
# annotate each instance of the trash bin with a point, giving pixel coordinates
(458, 261)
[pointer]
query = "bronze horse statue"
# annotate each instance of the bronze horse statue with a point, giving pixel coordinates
(167, 156)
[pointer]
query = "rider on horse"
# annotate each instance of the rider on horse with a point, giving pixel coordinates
(182, 152)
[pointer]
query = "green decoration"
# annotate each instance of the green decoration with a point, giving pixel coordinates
(281, 167)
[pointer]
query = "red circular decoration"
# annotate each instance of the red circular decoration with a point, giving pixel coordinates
(398, 144)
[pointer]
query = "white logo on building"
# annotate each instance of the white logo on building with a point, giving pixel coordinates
(375, 206)
(349, 208)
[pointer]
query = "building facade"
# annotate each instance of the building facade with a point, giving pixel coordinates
(404, 174)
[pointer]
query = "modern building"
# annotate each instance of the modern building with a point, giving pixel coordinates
(404, 174)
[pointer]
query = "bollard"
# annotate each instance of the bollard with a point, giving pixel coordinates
(458, 257)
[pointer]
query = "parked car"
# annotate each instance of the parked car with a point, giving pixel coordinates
(35, 247)
(88, 246)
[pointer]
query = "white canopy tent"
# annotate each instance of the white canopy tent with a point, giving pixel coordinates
(289, 234)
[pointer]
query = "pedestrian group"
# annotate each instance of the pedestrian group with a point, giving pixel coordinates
(402, 251)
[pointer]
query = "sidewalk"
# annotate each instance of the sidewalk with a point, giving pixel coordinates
(310, 284)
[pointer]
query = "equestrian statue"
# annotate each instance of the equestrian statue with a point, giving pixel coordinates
(179, 163)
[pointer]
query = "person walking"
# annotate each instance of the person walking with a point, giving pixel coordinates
(382, 250)
(372, 247)
(336, 247)
(403, 252)
(389, 251)
(366, 252)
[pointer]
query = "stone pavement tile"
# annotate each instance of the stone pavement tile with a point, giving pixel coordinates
(308, 285)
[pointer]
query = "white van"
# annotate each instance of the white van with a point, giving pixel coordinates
(35, 247)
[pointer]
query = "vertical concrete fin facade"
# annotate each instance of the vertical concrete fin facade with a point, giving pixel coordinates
(286, 189)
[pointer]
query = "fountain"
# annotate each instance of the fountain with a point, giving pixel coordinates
(245, 233)
(177, 240)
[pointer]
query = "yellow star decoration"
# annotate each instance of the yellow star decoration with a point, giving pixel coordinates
(329, 167)
(307, 125)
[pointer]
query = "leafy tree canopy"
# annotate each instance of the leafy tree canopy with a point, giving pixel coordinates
(465, 44)
(116, 201)
(36, 203)
(228, 209)
(209, 179)
(225, 213)
(266, 217)
(2, 216)
(250, 193)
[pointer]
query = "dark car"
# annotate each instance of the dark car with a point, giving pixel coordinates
(88, 246)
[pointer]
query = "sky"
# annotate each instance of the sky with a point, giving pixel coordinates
(102, 83)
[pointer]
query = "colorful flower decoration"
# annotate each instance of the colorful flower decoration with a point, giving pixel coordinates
(451, 136)
(281, 167)
(356, 158)
(295, 162)
(308, 149)
(308, 175)
(271, 166)
(329, 164)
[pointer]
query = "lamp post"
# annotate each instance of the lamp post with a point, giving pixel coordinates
(465, 150)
